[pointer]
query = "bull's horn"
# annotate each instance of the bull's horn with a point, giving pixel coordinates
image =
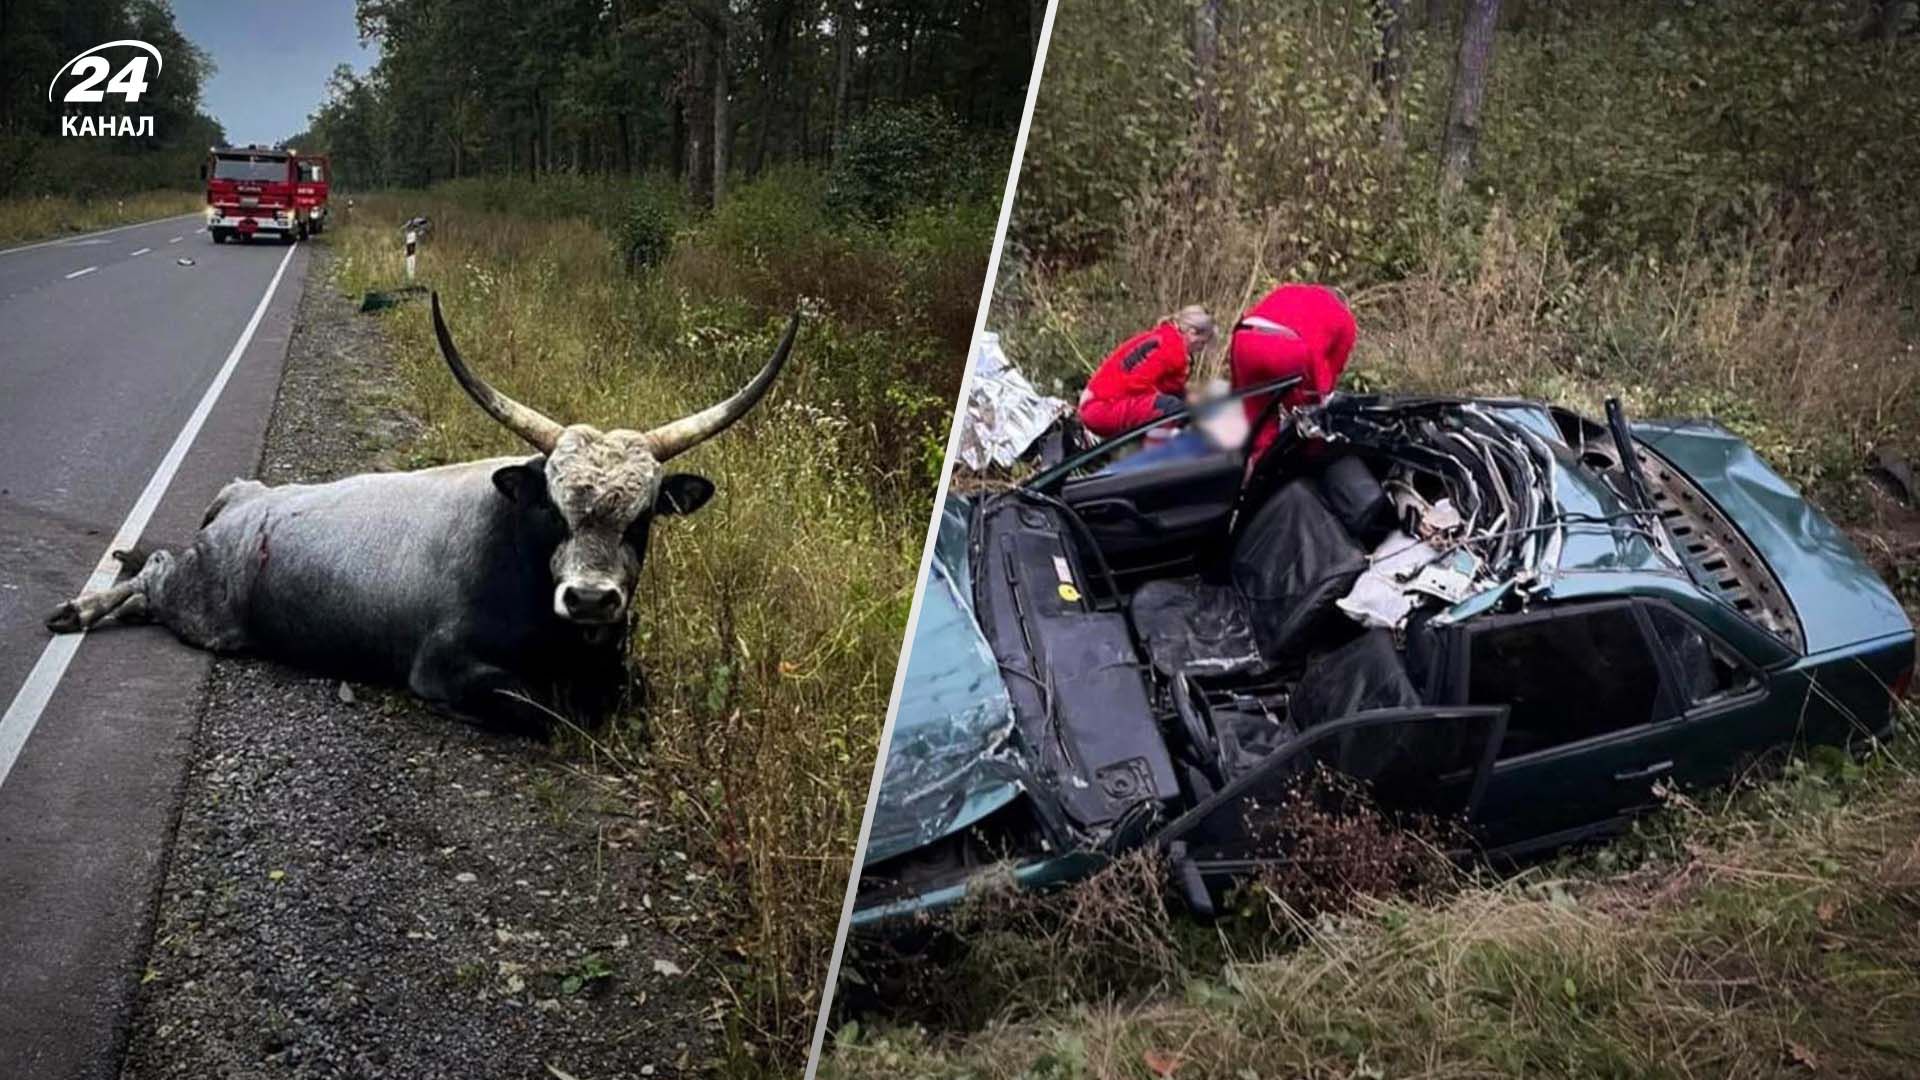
(530, 425)
(685, 434)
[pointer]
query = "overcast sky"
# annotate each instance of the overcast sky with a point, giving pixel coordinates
(272, 60)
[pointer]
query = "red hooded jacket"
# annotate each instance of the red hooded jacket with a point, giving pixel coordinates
(1304, 330)
(1142, 380)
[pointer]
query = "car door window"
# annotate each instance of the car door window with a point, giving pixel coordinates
(1707, 670)
(1565, 676)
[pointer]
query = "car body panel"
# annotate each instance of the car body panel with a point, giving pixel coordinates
(954, 718)
(1838, 597)
(956, 757)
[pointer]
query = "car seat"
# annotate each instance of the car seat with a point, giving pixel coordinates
(1289, 565)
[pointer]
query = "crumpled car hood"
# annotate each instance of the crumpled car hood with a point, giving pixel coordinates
(1837, 596)
(954, 725)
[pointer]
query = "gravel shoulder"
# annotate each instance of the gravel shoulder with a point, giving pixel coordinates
(360, 887)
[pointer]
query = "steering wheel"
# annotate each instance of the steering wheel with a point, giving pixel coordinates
(1196, 720)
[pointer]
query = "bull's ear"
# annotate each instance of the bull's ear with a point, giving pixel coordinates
(524, 483)
(682, 493)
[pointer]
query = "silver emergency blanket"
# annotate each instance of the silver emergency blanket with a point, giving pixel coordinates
(1005, 414)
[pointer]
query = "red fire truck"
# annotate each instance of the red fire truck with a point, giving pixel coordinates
(310, 192)
(253, 189)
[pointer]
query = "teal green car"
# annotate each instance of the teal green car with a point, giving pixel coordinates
(1497, 612)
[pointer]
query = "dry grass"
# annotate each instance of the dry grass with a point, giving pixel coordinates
(1005, 953)
(27, 219)
(1796, 342)
(768, 623)
(1777, 937)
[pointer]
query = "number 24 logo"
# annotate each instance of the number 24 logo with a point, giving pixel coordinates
(129, 82)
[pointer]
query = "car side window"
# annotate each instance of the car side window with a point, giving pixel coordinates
(1708, 673)
(1567, 677)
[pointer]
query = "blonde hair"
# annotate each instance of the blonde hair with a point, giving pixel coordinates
(1194, 318)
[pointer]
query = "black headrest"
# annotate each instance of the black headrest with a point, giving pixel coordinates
(1290, 563)
(1358, 499)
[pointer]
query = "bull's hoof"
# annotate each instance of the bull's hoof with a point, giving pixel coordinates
(65, 619)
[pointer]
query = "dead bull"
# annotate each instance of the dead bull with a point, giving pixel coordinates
(497, 590)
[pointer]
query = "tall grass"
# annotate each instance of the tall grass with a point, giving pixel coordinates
(29, 218)
(769, 622)
(1799, 344)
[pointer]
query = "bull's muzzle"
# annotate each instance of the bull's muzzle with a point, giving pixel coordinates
(584, 602)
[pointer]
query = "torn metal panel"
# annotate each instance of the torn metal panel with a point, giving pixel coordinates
(953, 730)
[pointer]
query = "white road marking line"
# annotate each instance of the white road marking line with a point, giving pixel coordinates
(915, 608)
(201, 229)
(21, 716)
(68, 240)
(82, 273)
(142, 251)
(176, 239)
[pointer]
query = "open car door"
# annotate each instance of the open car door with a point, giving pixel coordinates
(1154, 520)
(1430, 762)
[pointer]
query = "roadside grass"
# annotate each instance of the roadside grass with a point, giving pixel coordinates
(1772, 933)
(29, 218)
(769, 623)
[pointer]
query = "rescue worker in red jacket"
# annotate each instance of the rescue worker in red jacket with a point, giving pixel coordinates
(1304, 330)
(1146, 377)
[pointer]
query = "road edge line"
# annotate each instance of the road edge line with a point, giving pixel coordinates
(103, 232)
(23, 713)
(885, 743)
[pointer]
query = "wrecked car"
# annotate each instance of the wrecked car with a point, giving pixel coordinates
(1499, 612)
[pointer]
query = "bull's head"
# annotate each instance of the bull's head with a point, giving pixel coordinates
(604, 487)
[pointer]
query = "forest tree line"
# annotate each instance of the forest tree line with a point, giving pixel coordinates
(705, 89)
(1340, 129)
(36, 37)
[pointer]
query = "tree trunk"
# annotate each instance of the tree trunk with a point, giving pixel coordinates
(1390, 70)
(1206, 64)
(843, 32)
(1892, 17)
(722, 115)
(1469, 93)
(774, 79)
(906, 54)
(699, 112)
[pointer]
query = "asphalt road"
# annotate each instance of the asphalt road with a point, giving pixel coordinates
(108, 351)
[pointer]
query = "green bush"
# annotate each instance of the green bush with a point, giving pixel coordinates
(892, 157)
(645, 233)
(779, 213)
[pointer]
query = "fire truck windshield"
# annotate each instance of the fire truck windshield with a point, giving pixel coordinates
(249, 168)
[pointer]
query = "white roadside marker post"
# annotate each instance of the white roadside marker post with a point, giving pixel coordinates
(412, 242)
